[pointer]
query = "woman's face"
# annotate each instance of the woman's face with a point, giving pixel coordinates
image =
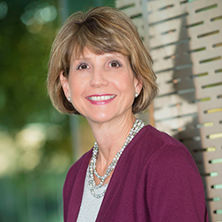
(102, 87)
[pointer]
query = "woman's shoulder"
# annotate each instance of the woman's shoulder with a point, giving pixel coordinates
(165, 157)
(172, 179)
(157, 146)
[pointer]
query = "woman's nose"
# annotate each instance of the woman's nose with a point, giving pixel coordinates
(98, 78)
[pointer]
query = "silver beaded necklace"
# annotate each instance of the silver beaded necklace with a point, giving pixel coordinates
(94, 189)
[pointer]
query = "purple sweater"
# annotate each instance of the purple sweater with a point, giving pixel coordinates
(155, 180)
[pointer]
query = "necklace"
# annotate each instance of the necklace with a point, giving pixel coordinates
(137, 126)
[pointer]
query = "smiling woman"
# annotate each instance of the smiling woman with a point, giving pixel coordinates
(99, 68)
(101, 87)
(101, 34)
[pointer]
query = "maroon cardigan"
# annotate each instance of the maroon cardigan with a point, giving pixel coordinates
(155, 180)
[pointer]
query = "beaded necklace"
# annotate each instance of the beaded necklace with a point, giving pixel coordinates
(137, 126)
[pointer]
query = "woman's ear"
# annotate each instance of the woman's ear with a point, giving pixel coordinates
(138, 86)
(65, 84)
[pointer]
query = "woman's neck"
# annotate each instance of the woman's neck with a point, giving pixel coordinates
(110, 137)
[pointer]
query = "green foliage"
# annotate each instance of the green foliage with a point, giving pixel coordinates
(27, 32)
(24, 52)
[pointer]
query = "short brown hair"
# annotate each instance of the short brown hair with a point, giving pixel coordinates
(102, 29)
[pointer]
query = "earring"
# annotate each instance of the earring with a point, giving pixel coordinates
(69, 98)
(136, 94)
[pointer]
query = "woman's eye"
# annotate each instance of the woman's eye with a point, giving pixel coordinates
(114, 64)
(82, 66)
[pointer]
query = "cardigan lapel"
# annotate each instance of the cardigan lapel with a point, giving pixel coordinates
(111, 191)
(114, 186)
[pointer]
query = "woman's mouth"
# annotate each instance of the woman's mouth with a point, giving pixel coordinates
(100, 99)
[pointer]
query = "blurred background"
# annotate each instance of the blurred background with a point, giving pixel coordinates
(36, 146)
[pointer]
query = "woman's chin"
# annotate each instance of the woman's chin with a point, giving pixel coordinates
(99, 118)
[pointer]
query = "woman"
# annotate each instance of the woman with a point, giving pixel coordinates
(99, 68)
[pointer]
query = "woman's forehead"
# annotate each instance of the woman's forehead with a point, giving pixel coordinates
(88, 52)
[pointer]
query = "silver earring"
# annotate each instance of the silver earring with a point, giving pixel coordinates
(69, 98)
(136, 94)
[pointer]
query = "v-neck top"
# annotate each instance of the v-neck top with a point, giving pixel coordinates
(155, 180)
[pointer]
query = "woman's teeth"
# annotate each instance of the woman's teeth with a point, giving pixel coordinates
(100, 98)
